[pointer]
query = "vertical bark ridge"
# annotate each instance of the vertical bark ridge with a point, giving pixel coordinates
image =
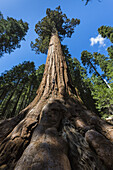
(56, 126)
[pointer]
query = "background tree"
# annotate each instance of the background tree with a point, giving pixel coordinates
(102, 84)
(79, 79)
(18, 88)
(106, 31)
(11, 33)
(90, 62)
(83, 84)
(103, 96)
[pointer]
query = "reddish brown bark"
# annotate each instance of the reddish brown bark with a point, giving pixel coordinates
(56, 131)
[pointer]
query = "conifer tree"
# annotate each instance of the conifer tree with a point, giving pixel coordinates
(54, 21)
(102, 84)
(11, 33)
(20, 82)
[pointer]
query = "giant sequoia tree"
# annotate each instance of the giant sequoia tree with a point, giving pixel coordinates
(55, 131)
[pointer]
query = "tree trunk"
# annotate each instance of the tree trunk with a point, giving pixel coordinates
(3, 94)
(9, 98)
(97, 73)
(15, 105)
(21, 104)
(28, 96)
(56, 131)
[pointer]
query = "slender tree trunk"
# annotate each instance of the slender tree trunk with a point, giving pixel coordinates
(3, 94)
(56, 131)
(21, 105)
(27, 101)
(97, 73)
(9, 98)
(7, 103)
(15, 106)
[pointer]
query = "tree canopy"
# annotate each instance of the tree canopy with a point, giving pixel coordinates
(18, 88)
(54, 21)
(12, 31)
(106, 32)
(102, 83)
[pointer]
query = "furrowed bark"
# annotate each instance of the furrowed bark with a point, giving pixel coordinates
(55, 131)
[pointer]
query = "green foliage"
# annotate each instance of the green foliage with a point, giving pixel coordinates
(110, 51)
(101, 61)
(18, 88)
(79, 79)
(88, 60)
(102, 90)
(103, 96)
(54, 21)
(11, 33)
(82, 83)
(91, 61)
(106, 32)
(39, 73)
(1, 15)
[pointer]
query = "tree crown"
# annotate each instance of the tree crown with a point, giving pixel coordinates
(54, 21)
(11, 33)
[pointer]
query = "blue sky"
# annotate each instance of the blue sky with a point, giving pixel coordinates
(92, 16)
